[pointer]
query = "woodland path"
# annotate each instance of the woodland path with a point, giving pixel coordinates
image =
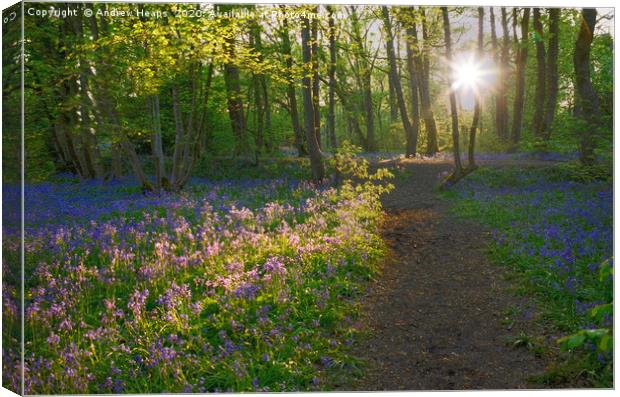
(434, 316)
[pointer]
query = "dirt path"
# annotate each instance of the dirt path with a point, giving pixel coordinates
(435, 316)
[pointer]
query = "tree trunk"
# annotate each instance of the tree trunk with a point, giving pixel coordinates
(587, 99)
(458, 169)
(290, 89)
(494, 43)
(117, 161)
(364, 69)
(475, 124)
(267, 134)
(413, 52)
(410, 135)
(424, 86)
(316, 157)
(331, 114)
(196, 133)
(520, 87)
(539, 105)
(108, 108)
(392, 100)
(259, 124)
(235, 101)
(503, 118)
(258, 90)
(350, 111)
(134, 161)
(88, 140)
(552, 72)
(116, 148)
(156, 142)
(314, 49)
(370, 117)
(235, 108)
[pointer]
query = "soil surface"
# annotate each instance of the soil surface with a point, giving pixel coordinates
(436, 317)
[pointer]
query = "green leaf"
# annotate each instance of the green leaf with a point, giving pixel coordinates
(572, 341)
(605, 271)
(596, 333)
(605, 343)
(600, 311)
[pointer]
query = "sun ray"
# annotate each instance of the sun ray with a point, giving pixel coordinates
(472, 74)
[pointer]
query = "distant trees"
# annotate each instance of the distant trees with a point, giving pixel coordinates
(158, 98)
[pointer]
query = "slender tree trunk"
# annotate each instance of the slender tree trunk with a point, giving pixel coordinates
(413, 52)
(117, 161)
(520, 88)
(370, 116)
(314, 49)
(412, 138)
(392, 100)
(116, 149)
(135, 163)
(61, 144)
(87, 153)
(267, 134)
(475, 124)
(179, 137)
(316, 157)
(503, 79)
(587, 99)
(424, 86)
(496, 60)
(235, 108)
(363, 72)
(551, 72)
(108, 108)
(65, 136)
(539, 105)
(290, 89)
(235, 101)
(515, 23)
(76, 133)
(88, 147)
(259, 102)
(331, 115)
(156, 142)
(350, 112)
(379, 114)
(458, 169)
(196, 134)
(259, 119)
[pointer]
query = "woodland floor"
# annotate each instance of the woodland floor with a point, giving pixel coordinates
(436, 317)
